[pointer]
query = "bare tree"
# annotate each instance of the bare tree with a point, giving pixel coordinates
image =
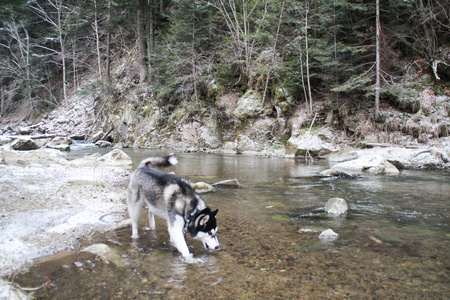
(57, 19)
(237, 15)
(377, 73)
(274, 49)
(97, 40)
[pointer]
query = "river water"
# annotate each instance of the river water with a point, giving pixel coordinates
(393, 243)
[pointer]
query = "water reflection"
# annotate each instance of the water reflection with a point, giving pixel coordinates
(393, 242)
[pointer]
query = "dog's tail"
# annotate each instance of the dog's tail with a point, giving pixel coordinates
(158, 161)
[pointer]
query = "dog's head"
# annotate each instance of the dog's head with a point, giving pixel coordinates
(204, 228)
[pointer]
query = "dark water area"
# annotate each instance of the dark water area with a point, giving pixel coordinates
(393, 243)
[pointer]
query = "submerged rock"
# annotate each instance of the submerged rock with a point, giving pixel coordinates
(106, 253)
(328, 234)
(336, 206)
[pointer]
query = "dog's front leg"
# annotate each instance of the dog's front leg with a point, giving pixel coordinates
(151, 220)
(177, 237)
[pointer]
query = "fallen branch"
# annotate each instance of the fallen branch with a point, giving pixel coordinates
(34, 137)
(105, 136)
(228, 182)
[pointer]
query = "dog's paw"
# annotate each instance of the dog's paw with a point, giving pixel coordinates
(188, 258)
(191, 260)
(134, 236)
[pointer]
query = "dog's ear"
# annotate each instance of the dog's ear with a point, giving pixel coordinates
(204, 220)
(214, 213)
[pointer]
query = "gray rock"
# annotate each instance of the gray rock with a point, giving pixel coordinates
(342, 155)
(336, 206)
(390, 169)
(36, 157)
(98, 135)
(115, 158)
(103, 144)
(5, 140)
(328, 234)
(24, 144)
(302, 143)
(338, 173)
(24, 130)
(60, 143)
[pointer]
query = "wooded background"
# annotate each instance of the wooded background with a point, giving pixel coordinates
(296, 50)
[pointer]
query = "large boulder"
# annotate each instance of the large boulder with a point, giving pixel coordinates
(303, 142)
(364, 164)
(24, 144)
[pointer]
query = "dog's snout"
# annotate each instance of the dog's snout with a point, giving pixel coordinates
(217, 247)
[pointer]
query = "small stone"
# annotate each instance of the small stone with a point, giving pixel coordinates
(78, 264)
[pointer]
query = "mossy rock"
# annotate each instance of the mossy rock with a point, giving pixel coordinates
(249, 105)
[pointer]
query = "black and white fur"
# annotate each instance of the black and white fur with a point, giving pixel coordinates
(172, 198)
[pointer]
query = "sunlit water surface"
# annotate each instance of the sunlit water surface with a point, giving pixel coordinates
(393, 243)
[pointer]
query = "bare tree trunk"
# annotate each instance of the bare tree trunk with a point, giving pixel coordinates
(430, 45)
(274, 52)
(74, 66)
(108, 48)
(194, 65)
(62, 13)
(377, 83)
(58, 6)
(151, 30)
(97, 42)
(141, 40)
(307, 61)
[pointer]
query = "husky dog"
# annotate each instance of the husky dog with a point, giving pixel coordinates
(172, 198)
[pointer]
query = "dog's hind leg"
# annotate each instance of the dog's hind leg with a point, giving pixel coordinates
(135, 204)
(177, 237)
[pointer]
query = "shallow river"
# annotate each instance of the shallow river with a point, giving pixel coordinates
(393, 243)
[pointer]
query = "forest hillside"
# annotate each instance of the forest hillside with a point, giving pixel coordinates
(238, 76)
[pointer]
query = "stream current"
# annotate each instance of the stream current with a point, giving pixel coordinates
(393, 242)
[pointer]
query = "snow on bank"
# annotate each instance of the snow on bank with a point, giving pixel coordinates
(46, 209)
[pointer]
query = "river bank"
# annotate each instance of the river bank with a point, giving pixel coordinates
(49, 203)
